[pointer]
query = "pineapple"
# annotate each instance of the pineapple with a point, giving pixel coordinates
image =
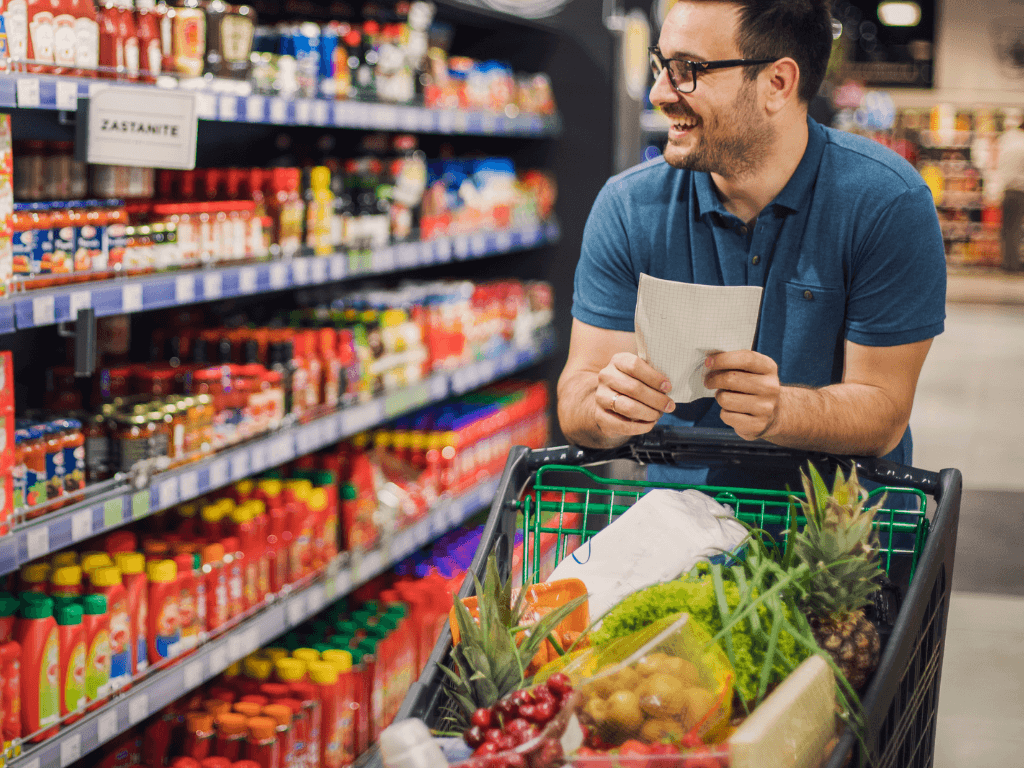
(492, 655)
(839, 546)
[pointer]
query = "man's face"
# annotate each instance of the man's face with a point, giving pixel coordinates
(719, 128)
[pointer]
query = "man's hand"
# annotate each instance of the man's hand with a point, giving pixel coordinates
(630, 396)
(748, 391)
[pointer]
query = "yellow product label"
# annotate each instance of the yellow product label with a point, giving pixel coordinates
(74, 681)
(97, 666)
(49, 682)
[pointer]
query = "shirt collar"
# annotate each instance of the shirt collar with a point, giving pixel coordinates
(792, 196)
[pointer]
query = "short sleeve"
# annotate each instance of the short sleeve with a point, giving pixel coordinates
(898, 278)
(604, 290)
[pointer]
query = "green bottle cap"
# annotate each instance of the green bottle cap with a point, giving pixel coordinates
(321, 647)
(348, 492)
(32, 597)
(8, 604)
(367, 647)
(69, 614)
(377, 632)
(323, 477)
(362, 617)
(340, 641)
(94, 605)
(401, 610)
(372, 606)
(273, 474)
(346, 627)
(37, 609)
(197, 561)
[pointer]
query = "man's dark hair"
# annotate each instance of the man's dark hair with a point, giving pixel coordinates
(799, 29)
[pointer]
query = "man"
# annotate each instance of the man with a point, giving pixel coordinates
(841, 233)
(1010, 178)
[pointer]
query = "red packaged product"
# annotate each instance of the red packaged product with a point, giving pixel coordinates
(235, 576)
(230, 739)
(133, 575)
(215, 762)
(10, 691)
(216, 579)
(262, 746)
(149, 45)
(300, 730)
(309, 696)
(282, 717)
(199, 735)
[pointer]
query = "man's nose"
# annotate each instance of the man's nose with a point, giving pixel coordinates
(663, 92)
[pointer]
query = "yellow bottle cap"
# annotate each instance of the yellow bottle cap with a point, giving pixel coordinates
(257, 668)
(342, 660)
(240, 515)
(273, 654)
(300, 488)
(36, 573)
(162, 571)
(189, 509)
(245, 487)
(130, 562)
(233, 670)
(307, 655)
(107, 576)
(212, 513)
(68, 576)
(320, 178)
(323, 673)
(61, 559)
(227, 505)
(95, 560)
(256, 507)
(317, 500)
(290, 670)
(271, 488)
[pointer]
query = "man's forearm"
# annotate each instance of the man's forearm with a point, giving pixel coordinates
(846, 418)
(577, 412)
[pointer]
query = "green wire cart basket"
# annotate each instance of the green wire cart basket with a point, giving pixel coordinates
(555, 494)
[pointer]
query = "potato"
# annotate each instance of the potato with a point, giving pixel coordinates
(658, 729)
(623, 714)
(683, 670)
(661, 695)
(651, 663)
(697, 702)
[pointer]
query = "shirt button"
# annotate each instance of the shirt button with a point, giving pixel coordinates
(743, 229)
(756, 260)
(808, 295)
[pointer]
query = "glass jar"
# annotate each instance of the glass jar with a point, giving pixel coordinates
(155, 381)
(129, 440)
(177, 414)
(97, 448)
(159, 434)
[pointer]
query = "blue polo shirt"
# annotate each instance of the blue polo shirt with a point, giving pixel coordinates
(849, 249)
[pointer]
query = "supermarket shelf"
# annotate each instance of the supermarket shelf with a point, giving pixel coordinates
(37, 308)
(27, 91)
(125, 504)
(159, 689)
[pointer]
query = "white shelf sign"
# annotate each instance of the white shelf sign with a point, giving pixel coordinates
(142, 127)
(138, 708)
(70, 749)
(106, 726)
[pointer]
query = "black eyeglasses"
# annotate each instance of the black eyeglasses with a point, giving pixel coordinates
(682, 73)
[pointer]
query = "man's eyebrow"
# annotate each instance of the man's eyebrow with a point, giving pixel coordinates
(682, 55)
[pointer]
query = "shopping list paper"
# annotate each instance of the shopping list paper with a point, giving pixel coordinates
(679, 324)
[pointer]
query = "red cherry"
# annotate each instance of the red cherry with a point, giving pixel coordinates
(474, 736)
(559, 684)
(492, 734)
(529, 712)
(544, 711)
(514, 760)
(519, 698)
(506, 708)
(517, 725)
(487, 748)
(506, 741)
(483, 718)
(543, 693)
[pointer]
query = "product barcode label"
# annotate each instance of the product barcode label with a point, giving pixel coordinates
(461, 246)
(300, 271)
(228, 108)
(131, 298)
(320, 112)
(184, 289)
(168, 491)
(28, 92)
(303, 112)
(247, 280)
(296, 610)
(478, 244)
(189, 485)
(219, 473)
(443, 249)
(446, 121)
(504, 241)
(79, 300)
(342, 114)
(338, 267)
(43, 311)
(278, 276)
(37, 541)
(193, 674)
(319, 270)
(254, 109)
(106, 726)
(240, 465)
(278, 111)
(138, 708)
(70, 749)
(81, 525)
(213, 286)
(67, 96)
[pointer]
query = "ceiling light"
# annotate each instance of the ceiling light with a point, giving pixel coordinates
(899, 14)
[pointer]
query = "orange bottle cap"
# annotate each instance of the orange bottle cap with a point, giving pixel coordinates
(199, 722)
(217, 707)
(231, 723)
(262, 727)
(280, 713)
(247, 708)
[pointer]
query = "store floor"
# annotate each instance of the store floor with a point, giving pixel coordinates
(969, 414)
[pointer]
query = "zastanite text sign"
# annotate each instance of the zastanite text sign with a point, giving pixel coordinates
(142, 127)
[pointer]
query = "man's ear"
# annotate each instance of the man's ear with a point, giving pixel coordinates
(781, 82)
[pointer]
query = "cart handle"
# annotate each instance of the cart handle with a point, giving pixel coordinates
(663, 445)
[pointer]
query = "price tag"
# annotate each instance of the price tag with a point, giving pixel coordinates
(79, 300)
(189, 486)
(254, 109)
(488, 370)
(106, 726)
(443, 250)
(478, 244)
(43, 310)
(81, 525)
(184, 289)
(319, 270)
(360, 418)
(461, 246)
(206, 106)
(236, 648)
(504, 241)
(320, 112)
(193, 674)
(219, 473)
(70, 749)
(228, 108)
(407, 255)
(37, 542)
(213, 285)
(278, 276)
(28, 92)
(278, 111)
(247, 280)
(284, 450)
(338, 267)
(303, 112)
(300, 271)
(490, 123)
(384, 260)
(218, 659)
(315, 599)
(252, 640)
(131, 298)
(296, 610)
(140, 504)
(461, 122)
(446, 121)
(113, 513)
(169, 493)
(259, 457)
(67, 95)
(240, 465)
(341, 114)
(138, 708)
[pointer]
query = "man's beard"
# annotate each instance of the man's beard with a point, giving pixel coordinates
(733, 148)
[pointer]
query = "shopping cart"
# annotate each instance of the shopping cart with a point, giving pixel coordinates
(552, 486)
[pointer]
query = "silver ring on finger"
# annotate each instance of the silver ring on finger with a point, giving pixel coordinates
(614, 398)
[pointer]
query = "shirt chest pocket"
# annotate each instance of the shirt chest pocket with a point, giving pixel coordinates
(801, 329)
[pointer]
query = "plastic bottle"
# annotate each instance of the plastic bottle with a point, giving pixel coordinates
(40, 664)
(261, 523)
(148, 34)
(34, 577)
(282, 717)
(87, 34)
(257, 671)
(235, 576)
(324, 676)
(93, 560)
(212, 522)
(262, 746)
(301, 524)
(10, 694)
(71, 637)
(132, 566)
(96, 622)
(8, 617)
(164, 630)
(199, 735)
(307, 694)
(187, 606)
(66, 581)
(230, 739)
(216, 584)
(108, 581)
(286, 208)
(300, 731)
(346, 713)
(245, 532)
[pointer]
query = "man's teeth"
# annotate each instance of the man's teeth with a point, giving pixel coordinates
(686, 125)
